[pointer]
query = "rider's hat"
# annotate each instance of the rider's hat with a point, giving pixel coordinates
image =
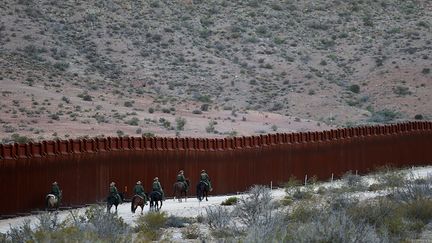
(112, 183)
(181, 171)
(55, 183)
(155, 179)
(202, 171)
(138, 182)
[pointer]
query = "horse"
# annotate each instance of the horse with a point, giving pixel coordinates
(112, 200)
(155, 198)
(202, 190)
(137, 201)
(52, 202)
(180, 189)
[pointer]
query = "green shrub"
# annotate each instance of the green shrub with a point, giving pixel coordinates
(384, 116)
(287, 200)
(178, 222)
(133, 121)
(418, 117)
(191, 232)
(19, 139)
(303, 212)
(419, 210)
(302, 193)
(401, 90)
(128, 103)
(150, 225)
(354, 88)
(390, 177)
(180, 122)
(230, 201)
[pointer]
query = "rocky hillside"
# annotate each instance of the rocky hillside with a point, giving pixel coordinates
(210, 68)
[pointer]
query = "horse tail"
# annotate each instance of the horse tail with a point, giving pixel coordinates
(133, 205)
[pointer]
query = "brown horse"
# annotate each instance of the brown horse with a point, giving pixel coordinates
(180, 189)
(137, 201)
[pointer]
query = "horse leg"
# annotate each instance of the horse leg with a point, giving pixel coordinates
(206, 195)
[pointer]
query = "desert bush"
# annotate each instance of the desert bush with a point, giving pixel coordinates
(341, 200)
(256, 207)
(149, 225)
(376, 187)
(292, 183)
(390, 177)
(354, 182)
(205, 107)
(177, 222)
(218, 218)
(191, 232)
(286, 201)
(85, 96)
(120, 133)
(267, 231)
(66, 99)
(230, 201)
(302, 193)
(412, 189)
(420, 209)
(128, 103)
(180, 122)
(133, 121)
(418, 117)
(401, 90)
(354, 88)
(384, 116)
(95, 225)
(331, 226)
(19, 139)
(106, 225)
(62, 66)
(21, 233)
(211, 127)
(48, 222)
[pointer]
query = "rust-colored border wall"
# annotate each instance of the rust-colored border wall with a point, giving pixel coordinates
(84, 168)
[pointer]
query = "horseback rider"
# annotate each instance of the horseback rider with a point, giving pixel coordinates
(181, 178)
(206, 179)
(139, 190)
(113, 192)
(55, 190)
(157, 187)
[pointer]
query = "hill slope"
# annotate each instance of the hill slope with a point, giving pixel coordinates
(221, 68)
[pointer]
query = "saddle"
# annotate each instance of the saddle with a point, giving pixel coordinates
(136, 195)
(160, 194)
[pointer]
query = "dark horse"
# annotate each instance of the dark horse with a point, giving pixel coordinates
(137, 201)
(155, 198)
(111, 200)
(202, 190)
(180, 189)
